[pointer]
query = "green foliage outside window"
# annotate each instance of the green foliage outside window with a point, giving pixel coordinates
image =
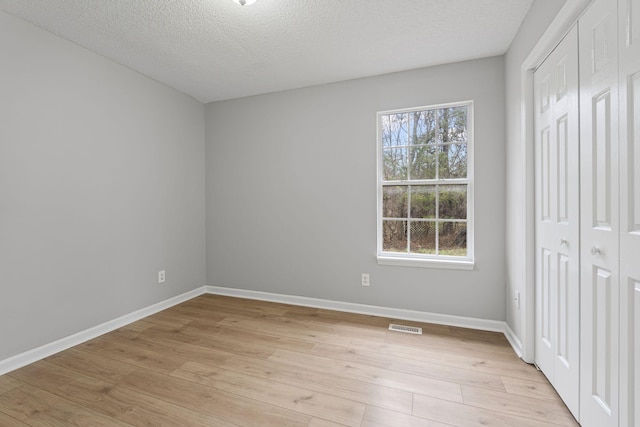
(424, 186)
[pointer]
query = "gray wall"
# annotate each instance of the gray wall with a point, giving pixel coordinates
(101, 186)
(291, 192)
(536, 22)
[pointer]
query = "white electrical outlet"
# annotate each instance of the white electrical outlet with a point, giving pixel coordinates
(365, 279)
(161, 276)
(517, 299)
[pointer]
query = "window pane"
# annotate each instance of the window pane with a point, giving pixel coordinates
(423, 201)
(395, 163)
(424, 182)
(394, 201)
(452, 161)
(423, 162)
(452, 201)
(452, 124)
(422, 127)
(395, 130)
(423, 237)
(394, 236)
(452, 238)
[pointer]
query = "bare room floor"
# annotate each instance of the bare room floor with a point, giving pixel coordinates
(221, 361)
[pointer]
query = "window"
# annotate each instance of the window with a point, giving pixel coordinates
(425, 176)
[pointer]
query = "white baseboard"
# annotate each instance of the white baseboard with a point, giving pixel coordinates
(31, 356)
(513, 339)
(395, 313)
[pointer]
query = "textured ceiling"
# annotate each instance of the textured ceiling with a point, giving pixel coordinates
(216, 49)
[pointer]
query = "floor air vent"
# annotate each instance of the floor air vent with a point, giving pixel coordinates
(405, 329)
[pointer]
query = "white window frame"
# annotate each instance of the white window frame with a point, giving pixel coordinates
(428, 260)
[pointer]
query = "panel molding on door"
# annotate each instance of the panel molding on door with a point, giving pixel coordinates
(557, 219)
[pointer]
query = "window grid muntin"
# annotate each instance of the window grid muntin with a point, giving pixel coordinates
(436, 219)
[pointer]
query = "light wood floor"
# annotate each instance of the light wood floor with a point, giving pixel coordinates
(220, 361)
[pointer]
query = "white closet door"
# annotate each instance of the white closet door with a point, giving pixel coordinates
(629, 42)
(557, 220)
(600, 296)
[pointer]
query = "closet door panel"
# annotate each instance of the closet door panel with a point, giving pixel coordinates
(557, 219)
(629, 42)
(599, 230)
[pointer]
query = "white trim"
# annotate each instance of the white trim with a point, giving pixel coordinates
(528, 189)
(417, 260)
(559, 27)
(449, 264)
(566, 18)
(427, 107)
(33, 355)
(513, 339)
(373, 310)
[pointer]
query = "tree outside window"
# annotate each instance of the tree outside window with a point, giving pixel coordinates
(424, 182)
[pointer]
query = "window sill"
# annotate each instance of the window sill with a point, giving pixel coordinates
(427, 263)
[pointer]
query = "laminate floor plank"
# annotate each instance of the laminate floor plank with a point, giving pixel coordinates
(186, 314)
(227, 342)
(436, 371)
(227, 406)
(323, 382)
(91, 364)
(282, 395)
(338, 326)
(231, 362)
(529, 407)
(513, 367)
(379, 417)
(36, 407)
(8, 383)
(462, 415)
(372, 375)
(118, 402)
(166, 346)
(318, 422)
(131, 354)
(8, 421)
(178, 335)
(284, 331)
(46, 376)
(283, 342)
(279, 323)
(529, 388)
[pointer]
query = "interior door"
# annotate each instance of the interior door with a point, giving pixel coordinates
(599, 320)
(629, 42)
(557, 220)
